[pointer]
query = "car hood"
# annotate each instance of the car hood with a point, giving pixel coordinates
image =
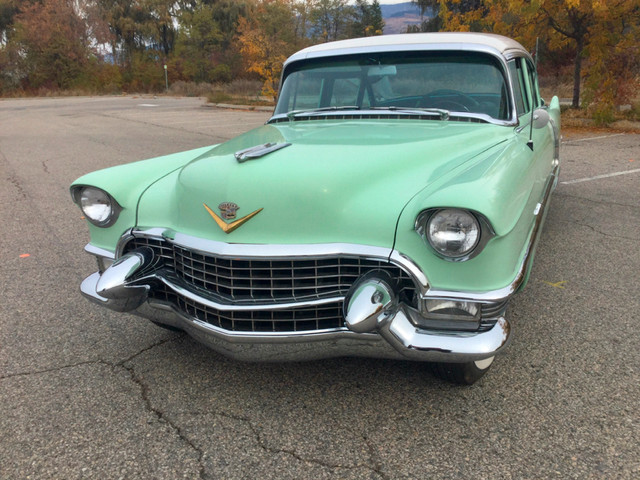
(337, 181)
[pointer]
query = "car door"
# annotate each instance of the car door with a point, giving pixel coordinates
(535, 145)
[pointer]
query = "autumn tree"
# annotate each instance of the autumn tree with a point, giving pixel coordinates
(125, 19)
(8, 10)
(604, 31)
(367, 19)
(52, 40)
(160, 26)
(330, 20)
(198, 37)
(267, 36)
(442, 12)
(205, 47)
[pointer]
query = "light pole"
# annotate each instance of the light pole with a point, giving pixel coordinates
(166, 78)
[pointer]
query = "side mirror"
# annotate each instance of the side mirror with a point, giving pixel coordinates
(540, 118)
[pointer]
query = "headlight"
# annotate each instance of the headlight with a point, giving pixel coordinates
(97, 205)
(452, 233)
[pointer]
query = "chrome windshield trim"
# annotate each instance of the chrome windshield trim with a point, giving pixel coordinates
(375, 114)
(99, 252)
(502, 57)
(405, 47)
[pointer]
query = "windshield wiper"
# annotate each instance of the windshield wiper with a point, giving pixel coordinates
(291, 115)
(444, 114)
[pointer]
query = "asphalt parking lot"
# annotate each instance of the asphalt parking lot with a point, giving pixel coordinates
(89, 393)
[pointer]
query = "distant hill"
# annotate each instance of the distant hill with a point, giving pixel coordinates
(397, 17)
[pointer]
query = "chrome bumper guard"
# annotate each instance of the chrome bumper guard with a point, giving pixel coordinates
(377, 325)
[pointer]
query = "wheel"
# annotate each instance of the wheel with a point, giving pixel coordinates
(462, 373)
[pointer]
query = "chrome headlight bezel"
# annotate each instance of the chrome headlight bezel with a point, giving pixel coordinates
(484, 232)
(87, 195)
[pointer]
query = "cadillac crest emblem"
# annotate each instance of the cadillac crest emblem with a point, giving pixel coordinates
(228, 210)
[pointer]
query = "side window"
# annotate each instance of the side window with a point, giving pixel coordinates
(515, 73)
(533, 83)
(522, 78)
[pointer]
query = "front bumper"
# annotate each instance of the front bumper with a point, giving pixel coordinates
(393, 335)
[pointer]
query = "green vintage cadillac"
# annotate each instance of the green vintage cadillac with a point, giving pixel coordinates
(389, 208)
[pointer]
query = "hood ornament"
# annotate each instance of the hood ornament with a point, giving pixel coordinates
(258, 151)
(228, 211)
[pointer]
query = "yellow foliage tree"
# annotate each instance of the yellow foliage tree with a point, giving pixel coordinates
(267, 36)
(605, 32)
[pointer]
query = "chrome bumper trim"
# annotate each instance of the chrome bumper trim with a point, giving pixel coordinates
(396, 337)
(99, 252)
(415, 343)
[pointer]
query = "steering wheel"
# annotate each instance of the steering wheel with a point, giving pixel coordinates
(460, 101)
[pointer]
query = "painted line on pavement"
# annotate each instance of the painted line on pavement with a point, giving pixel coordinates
(592, 138)
(598, 177)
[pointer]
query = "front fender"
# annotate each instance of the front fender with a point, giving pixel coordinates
(504, 186)
(126, 184)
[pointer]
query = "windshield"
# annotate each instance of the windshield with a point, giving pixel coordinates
(466, 82)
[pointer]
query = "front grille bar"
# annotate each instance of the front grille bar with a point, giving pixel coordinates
(250, 281)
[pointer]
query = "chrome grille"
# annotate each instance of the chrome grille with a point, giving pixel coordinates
(323, 317)
(241, 281)
(253, 281)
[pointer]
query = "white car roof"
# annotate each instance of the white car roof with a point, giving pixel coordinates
(491, 43)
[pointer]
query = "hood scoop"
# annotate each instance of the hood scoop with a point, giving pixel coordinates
(258, 151)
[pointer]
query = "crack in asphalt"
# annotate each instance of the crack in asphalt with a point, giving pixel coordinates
(373, 463)
(57, 369)
(601, 202)
(90, 362)
(164, 418)
(260, 441)
(12, 177)
(374, 458)
(144, 392)
(157, 412)
(595, 230)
